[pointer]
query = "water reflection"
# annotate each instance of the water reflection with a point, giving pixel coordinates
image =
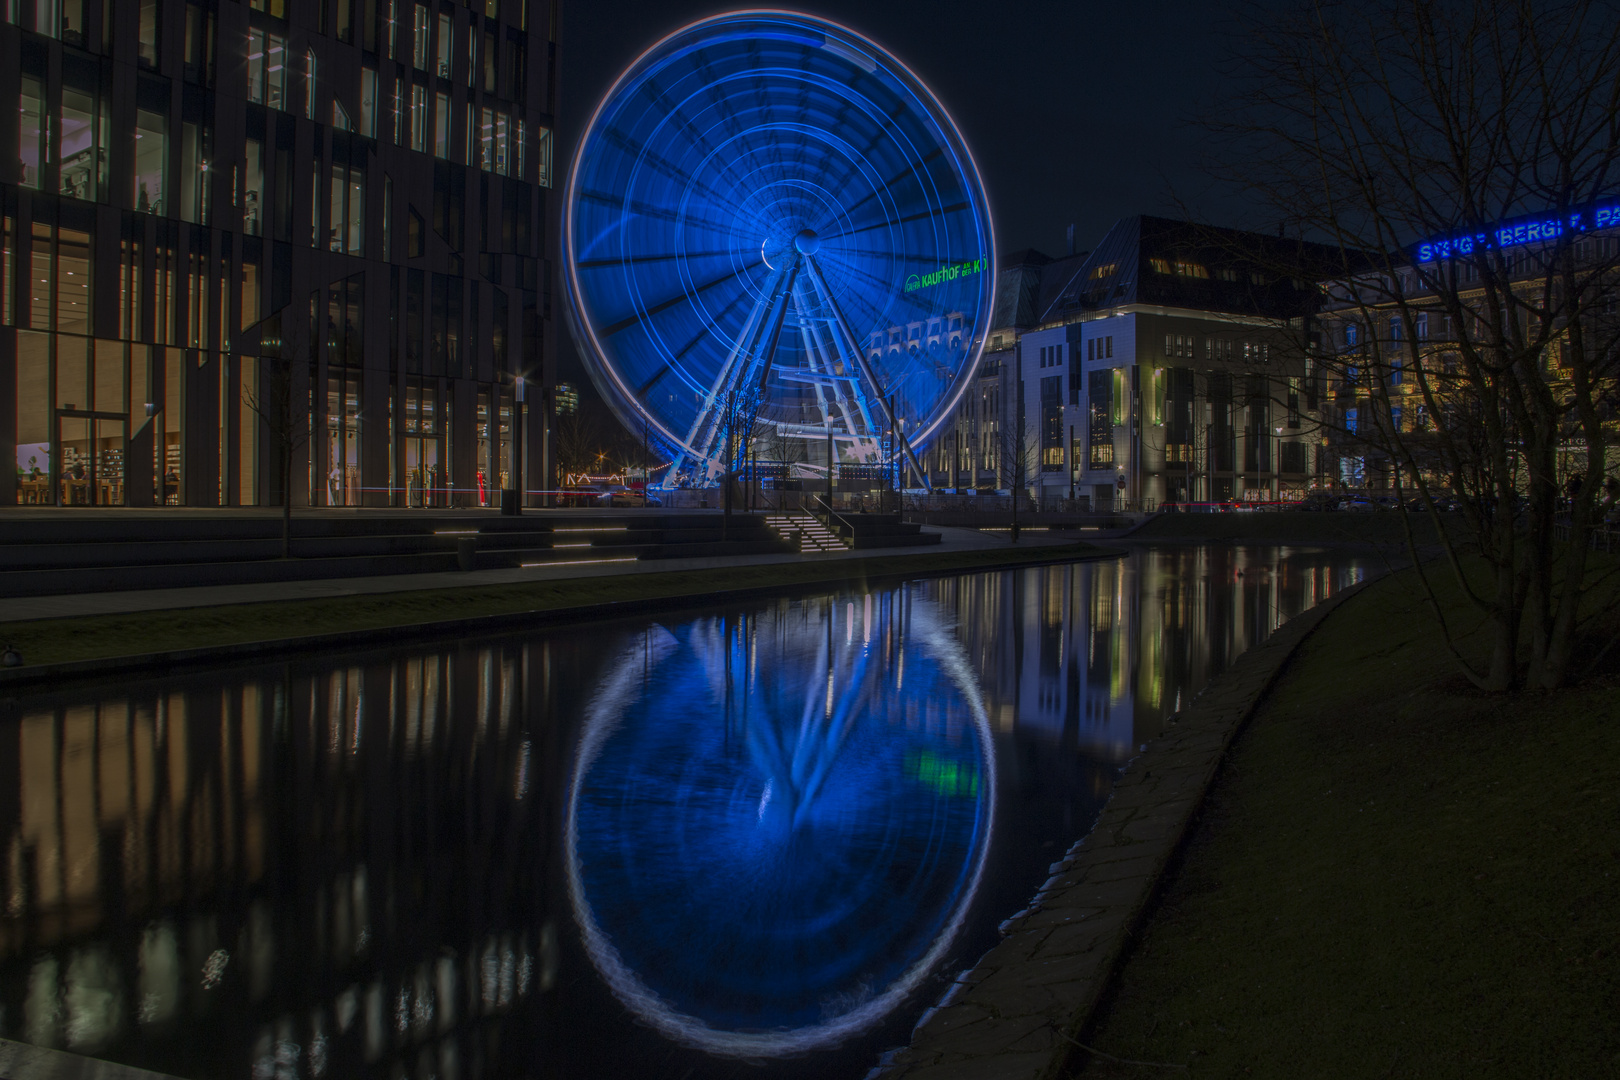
(778, 820)
(586, 853)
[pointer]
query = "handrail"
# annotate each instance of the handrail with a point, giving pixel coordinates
(831, 514)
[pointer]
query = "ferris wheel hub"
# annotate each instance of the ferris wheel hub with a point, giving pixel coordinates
(807, 242)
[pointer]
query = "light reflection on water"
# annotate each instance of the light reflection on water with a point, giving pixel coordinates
(647, 848)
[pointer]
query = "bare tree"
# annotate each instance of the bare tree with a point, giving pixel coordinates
(1410, 135)
(282, 406)
(1017, 461)
(577, 440)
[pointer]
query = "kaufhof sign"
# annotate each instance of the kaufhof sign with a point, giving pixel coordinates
(944, 274)
(1537, 229)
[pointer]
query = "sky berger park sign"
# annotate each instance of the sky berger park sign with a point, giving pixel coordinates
(1536, 229)
(944, 274)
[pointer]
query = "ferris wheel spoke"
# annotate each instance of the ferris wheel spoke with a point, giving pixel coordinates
(920, 215)
(636, 260)
(647, 313)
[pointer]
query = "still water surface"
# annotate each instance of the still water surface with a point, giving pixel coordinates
(753, 840)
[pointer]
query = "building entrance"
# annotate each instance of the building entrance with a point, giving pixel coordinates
(427, 462)
(87, 458)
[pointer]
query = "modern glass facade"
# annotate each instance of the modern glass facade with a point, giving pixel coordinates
(242, 232)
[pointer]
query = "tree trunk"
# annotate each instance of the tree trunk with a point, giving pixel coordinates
(286, 503)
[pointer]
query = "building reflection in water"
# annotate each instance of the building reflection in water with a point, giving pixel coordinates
(359, 866)
(1098, 655)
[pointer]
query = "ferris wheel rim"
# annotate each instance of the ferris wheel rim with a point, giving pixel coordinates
(878, 56)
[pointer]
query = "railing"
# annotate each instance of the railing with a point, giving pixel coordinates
(832, 515)
(1603, 537)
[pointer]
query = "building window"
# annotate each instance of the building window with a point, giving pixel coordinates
(274, 8)
(1100, 428)
(399, 112)
(31, 131)
(388, 218)
(416, 238)
(368, 103)
(445, 39)
(151, 156)
(199, 45)
(148, 21)
(344, 31)
(267, 69)
(309, 85)
(253, 188)
(441, 126)
(419, 38)
(419, 118)
(489, 62)
(196, 147)
(347, 214)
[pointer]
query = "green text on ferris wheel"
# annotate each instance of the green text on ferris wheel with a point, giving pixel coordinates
(944, 274)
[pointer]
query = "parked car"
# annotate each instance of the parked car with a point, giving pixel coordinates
(1358, 504)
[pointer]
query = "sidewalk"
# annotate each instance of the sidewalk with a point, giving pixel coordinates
(22, 609)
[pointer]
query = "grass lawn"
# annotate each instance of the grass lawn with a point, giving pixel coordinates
(49, 641)
(1395, 876)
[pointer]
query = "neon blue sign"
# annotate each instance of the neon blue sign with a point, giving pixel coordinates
(1516, 232)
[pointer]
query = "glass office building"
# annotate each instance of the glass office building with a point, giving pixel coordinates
(242, 232)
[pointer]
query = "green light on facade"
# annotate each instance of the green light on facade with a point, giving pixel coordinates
(944, 274)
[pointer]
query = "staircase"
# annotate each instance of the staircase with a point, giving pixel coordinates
(813, 535)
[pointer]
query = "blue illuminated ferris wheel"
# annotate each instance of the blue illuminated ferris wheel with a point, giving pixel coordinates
(772, 225)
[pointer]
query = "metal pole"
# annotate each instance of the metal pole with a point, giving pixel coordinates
(830, 454)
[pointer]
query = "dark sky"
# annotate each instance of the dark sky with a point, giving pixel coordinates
(1077, 112)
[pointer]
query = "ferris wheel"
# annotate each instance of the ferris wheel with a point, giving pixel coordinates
(771, 226)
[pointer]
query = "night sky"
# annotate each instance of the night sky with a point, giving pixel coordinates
(1076, 112)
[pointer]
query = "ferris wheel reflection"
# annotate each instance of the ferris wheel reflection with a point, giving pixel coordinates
(778, 821)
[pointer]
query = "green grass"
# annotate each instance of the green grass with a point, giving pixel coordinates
(49, 641)
(1291, 527)
(1395, 877)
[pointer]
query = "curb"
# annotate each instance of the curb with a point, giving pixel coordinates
(1020, 1012)
(483, 624)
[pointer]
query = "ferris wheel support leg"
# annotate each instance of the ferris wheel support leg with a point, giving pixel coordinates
(767, 313)
(865, 369)
(768, 356)
(822, 356)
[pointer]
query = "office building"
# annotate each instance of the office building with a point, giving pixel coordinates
(1161, 366)
(239, 228)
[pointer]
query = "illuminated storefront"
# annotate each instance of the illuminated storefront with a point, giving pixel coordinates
(231, 228)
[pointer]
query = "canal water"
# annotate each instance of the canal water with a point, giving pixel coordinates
(749, 840)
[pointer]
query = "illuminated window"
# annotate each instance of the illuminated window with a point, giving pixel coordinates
(419, 118)
(443, 66)
(419, 38)
(267, 69)
(151, 157)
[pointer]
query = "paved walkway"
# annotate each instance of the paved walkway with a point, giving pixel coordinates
(593, 563)
(20, 1061)
(1025, 1008)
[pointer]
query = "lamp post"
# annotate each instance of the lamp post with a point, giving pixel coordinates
(1276, 470)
